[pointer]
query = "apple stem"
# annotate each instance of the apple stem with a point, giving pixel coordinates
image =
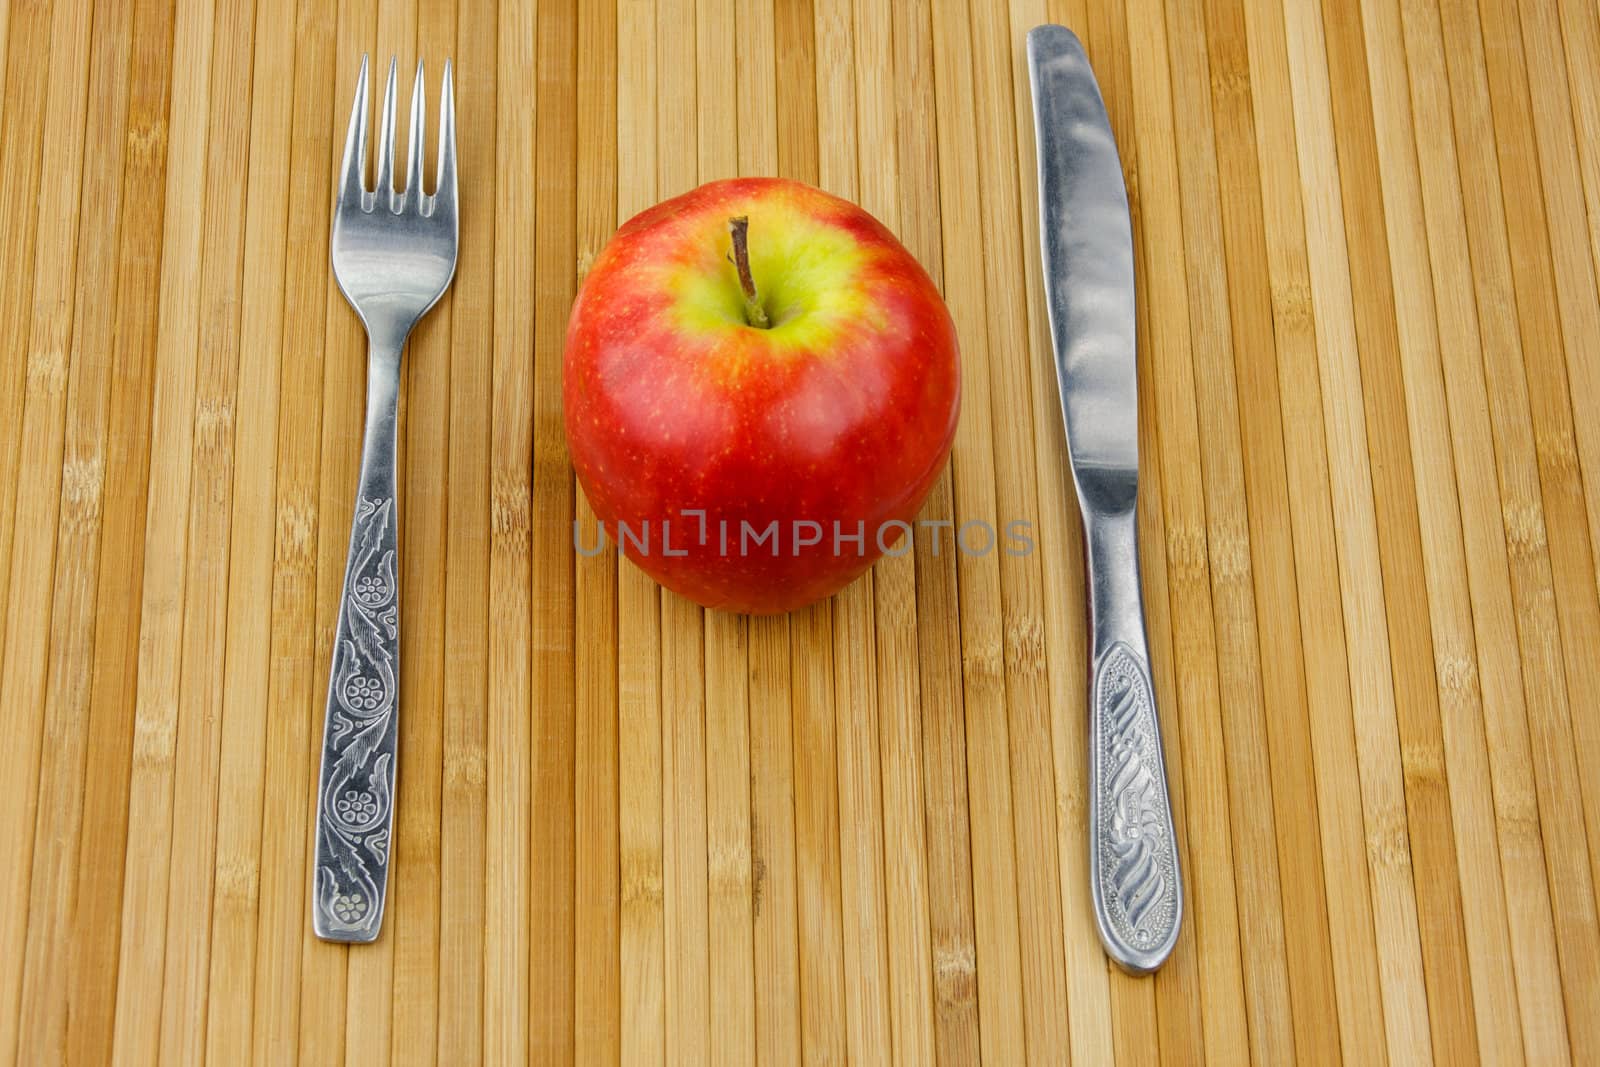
(754, 313)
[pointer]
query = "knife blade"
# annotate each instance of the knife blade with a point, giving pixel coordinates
(1086, 239)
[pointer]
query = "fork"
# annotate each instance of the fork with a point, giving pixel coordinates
(394, 254)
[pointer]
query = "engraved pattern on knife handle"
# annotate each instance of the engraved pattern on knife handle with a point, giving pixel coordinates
(356, 798)
(1134, 854)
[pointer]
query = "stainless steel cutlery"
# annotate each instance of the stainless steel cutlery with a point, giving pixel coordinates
(1087, 240)
(394, 254)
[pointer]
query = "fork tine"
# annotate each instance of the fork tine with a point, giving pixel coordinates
(352, 170)
(415, 197)
(386, 140)
(444, 193)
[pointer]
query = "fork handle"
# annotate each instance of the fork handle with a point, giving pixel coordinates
(1133, 854)
(355, 795)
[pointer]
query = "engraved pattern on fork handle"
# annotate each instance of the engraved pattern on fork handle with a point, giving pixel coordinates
(356, 788)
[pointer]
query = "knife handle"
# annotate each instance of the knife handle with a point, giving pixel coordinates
(1133, 852)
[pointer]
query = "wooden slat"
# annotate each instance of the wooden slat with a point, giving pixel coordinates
(772, 897)
(1578, 312)
(66, 625)
(1001, 1029)
(1355, 528)
(950, 907)
(1500, 680)
(1571, 888)
(1462, 757)
(507, 953)
(860, 802)
(683, 656)
(1393, 485)
(554, 196)
(730, 921)
(1059, 540)
(1197, 82)
(1212, 909)
(1168, 1007)
(243, 706)
(183, 880)
(597, 973)
(639, 616)
(903, 865)
(1021, 576)
(1328, 707)
(1132, 1004)
(21, 149)
(369, 976)
(297, 681)
(463, 845)
(426, 383)
(28, 600)
(325, 966)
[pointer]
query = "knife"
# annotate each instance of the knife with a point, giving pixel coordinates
(1087, 241)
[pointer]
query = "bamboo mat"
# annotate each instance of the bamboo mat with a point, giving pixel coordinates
(628, 830)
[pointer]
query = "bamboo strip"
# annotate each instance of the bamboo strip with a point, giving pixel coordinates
(245, 694)
(1514, 795)
(1428, 807)
(683, 683)
(1060, 540)
(189, 889)
(296, 680)
(902, 868)
(1253, 807)
(463, 844)
(1565, 533)
(950, 903)
(1560, 122)
(1463, 757)
(684, 873)
(66, 626)
(1038, 885)
(554, 194)
(813, 771)
(1522, 514)
(823, 1024)
(1580, 36)
(729, 916)
(772, 841)
(324, 966)
(1578, 307)
(28, 598)
(21, 150)
(416, 855)
(642, 918)
(730, 910)
(1176, 998)
(1212, 909)
(1349, 913)
(1356, 532)
(860, 802)
(97, 910)
(774, 947)
(998, 967)
(369, 975)
(597, 977)
(1310, 968)
(510, 774)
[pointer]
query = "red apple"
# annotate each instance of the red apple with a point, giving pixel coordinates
(818, 392)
